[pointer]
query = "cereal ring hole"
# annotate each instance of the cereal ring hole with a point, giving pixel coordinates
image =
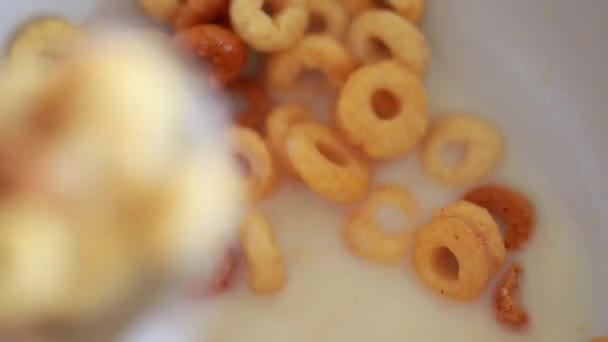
(453, 154)
(391, 218)
(385, 104)
(244, 165)
(317, 24)
(273, 7)
(378, 49)
(445, 263)
(331, 154)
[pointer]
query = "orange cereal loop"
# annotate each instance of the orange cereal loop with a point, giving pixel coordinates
(280, 120)
(383, 135)
(220, 47)
(355, 7)
(450, 259)
(258, 102)
(509, 205)
(483, 224)
(269, 32)
(508, 310)
(266, 272)
(379, 34)
(195, 12)
(482, 144)
(327, 16)
(260, 172)
(325, 164)
(600, 339)
(163, 11)
(315, 51)
(366, 236)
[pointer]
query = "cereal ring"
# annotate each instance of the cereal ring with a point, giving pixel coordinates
(258, 103)
(511, 206)
(449, 258)
(163, 11)
(266, 32)
(315, 51)
(600, 339)
(482, 223)
(366, 237)
(411, 9)
(355, 7)
(44, 42)
(195, 12)
(280, 120)
(327, 16)
(508, 311)
(266, 269)
(325, 164)
(261, 174)
(377, 30)
(382, 137)
(223, 49)
(482, 143)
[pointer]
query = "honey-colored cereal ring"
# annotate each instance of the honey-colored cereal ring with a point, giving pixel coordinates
(435, 248)
(195, 12)
(482, 143)
(482, 223)
(163, 11)
(269, 33)
(364, 235)
(280, 120)
(258, 102)
(411, 9)
(325, 164)
(249, 145)
(222, 48)
(315, 51)
(511, 206)
(404, 41)
(266, 268)
(379, 137)
(508, 310)
(331, 17)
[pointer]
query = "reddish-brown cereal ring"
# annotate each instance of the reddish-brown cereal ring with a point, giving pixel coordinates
(196, 12)
(268, 33)
(222, 48)
(481, 141)
(365, 235)
(325, 164)
(315, 51)
(384, 28)
(511, 206)
(508, 310)
(362, 126)
(258, 102)
(483, 224)
(279, 121)
(249, 145)
(328, 16)
(449, 258)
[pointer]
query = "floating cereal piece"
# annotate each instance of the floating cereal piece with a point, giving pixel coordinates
(258, 102)
(261, 173)
(163, 11)
(449, 258)
(382, 137)
(222, 48)
(280, 120)
(411, 9)
(266, 269)
(315, 51)
(482, 223)
(508, 310)
(481, 141)
(195, 12)
(268, 33)
(511, 206)
(44, 42)
(327, 16)
(325, 164)
(380, 34)
(366, 236)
